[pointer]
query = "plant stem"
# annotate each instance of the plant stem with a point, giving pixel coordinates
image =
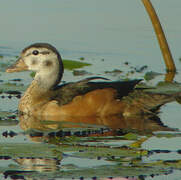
(169, 62)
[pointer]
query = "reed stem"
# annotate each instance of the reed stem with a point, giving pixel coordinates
(167, 56)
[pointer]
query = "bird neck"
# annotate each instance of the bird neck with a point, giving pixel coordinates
(49, 78)
(40, 91)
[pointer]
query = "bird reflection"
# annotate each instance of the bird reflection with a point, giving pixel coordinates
(38, 164)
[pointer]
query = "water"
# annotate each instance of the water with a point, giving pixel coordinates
(107, 34)
(117, 31)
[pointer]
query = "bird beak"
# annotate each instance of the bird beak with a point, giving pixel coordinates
(18, 66)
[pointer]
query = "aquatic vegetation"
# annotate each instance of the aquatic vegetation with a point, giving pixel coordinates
(151, 75)
(3, 66)
(71, 64)
(166, 88)
(12, 88)
(82, 58)
(80, 72)
(114, 72)
(129, 160)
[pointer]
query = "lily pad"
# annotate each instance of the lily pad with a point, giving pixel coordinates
(151, 75)
(71, 64)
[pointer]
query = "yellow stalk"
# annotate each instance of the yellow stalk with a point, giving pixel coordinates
(169, 62)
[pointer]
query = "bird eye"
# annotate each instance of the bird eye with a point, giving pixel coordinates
(35, 52)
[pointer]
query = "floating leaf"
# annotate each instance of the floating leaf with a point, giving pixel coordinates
(79, 72)
(138, 144)
(151, 75)
(71, 64)
(131, 136)
(82, 58)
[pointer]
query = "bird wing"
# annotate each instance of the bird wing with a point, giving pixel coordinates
(66, 92)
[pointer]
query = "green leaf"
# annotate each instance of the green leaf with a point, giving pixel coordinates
(71, 64)
(151, 75)
(131, 136)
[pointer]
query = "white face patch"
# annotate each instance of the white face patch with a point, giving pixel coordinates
(39, 59)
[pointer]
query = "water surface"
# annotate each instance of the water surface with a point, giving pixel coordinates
(107, 34)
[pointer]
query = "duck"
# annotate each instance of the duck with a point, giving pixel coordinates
(90, 97)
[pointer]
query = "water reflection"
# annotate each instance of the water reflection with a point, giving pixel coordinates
(38, 164)
(29, 167)
(169, 76)
(141, 123)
